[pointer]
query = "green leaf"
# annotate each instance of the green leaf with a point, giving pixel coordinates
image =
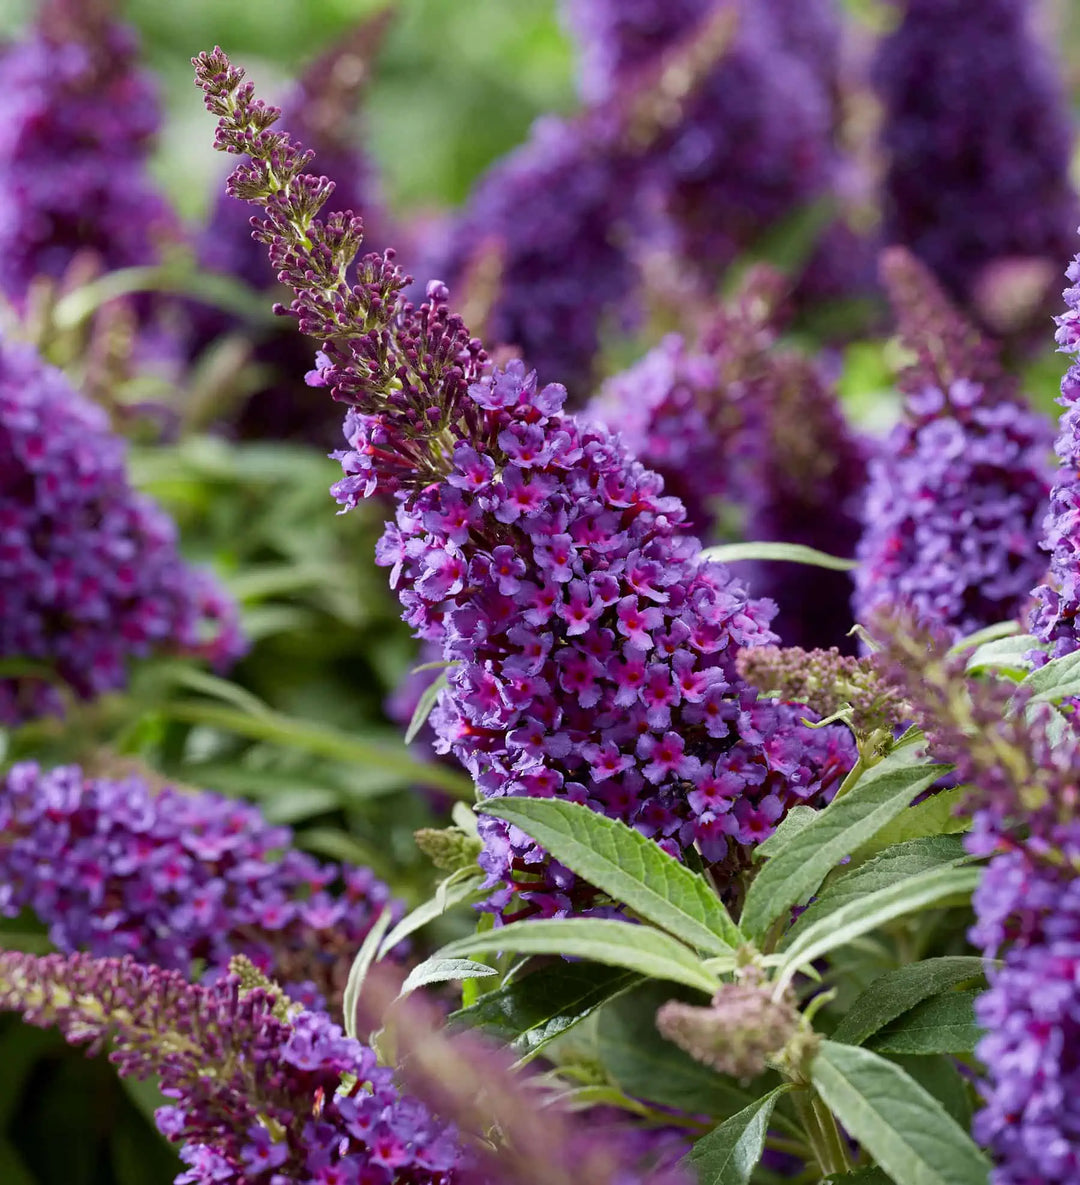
(896, 992)
(454, 890)
(627, 866)
(1006, 655)
(990, 633)
(436, 970)
(617, 944)
(893, 864)
(790, 825)
(645, 1066)
(942, 1024)
(875, 909)
(796, 553)
(533, 1010)
(365, 956)
(1055, 681)
(730, 1152)
(936, 815)
(13, 1170)
(938, 1075)
(903, 1127)
(794, 873)
(424, 705)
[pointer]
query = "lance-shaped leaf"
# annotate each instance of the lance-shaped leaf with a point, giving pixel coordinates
(442, 970)
(897, 992)
(792, 874)
(617, 944)
(536, 1008)
(729, 1154)
(867, 913)
(942, 1024)
(627, 866)
(903, 1128)
(456, 889)
(1059, 678)
(795, 553)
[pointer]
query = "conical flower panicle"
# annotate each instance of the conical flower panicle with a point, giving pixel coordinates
(79, 118)
(90, 575)
(259, 1098)
(172, 878)
(956, 492)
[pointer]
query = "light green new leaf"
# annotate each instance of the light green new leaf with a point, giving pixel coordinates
(1058, 679)
(455, 890)
(534, 1009)
(936, 815)
(988, 633)
(897, 992)
(1007, 655)
(875, 909)
(424, 705)
(942, 1024)
(902, 1127)
(436, 970)
(617, 944)
(365, 956)
(627, 866)
(729, 1154)
(887, 868)
(795, 872)
(796, 553)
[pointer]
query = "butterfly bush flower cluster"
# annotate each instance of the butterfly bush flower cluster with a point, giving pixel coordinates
(262, 1094)
(78, 123)
(593, 651)
(90, 575)
(177, 879)
(978, 139)
(1058, 599)
(958, 489)
(1022, 770)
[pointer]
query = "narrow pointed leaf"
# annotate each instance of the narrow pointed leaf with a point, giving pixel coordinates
(533, 1010)
(896, 992)
(424, 705)
(790, 876)
(796, 553)
(627, 866)
(942, 1024)
(896, 1121)
(617, 944)
(365, 956)
(438, 970)
(450, 892)
(729, 1154)
(867, 913)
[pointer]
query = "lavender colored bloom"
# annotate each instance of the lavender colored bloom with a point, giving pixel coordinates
(89, 571)
(77, 128)
(957, 489)
(114, 868)
(258, 1087)
(613, 649)
(1054, 618)
(978, 138)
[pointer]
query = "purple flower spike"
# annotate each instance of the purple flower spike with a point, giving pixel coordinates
(959, 486)
(78, 123)
(89, 571)
(115, 868)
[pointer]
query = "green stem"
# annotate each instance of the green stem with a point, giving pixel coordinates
(821, 1133)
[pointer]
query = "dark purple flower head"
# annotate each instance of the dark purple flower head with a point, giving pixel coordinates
(90, 575)
(978, 139)
(956, 491)
(1054, 617)
(614, 638)
(263, 1094)
(77, 127)
(171, 878)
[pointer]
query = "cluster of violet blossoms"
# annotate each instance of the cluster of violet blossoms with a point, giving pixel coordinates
(957, 491)
(263, 1094)
(978, 139)
(90, 575)
(593, 651)
(78, 123)
(177, 879)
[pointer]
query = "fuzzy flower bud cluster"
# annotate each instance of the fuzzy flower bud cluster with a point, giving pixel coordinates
(78, 122)
(593, 651)
(1054, 617)
(90, 575)
(177, 879)
(1023, 771)
(978, 140)
(738, 1033)
(959, 486)
(261, 1097)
